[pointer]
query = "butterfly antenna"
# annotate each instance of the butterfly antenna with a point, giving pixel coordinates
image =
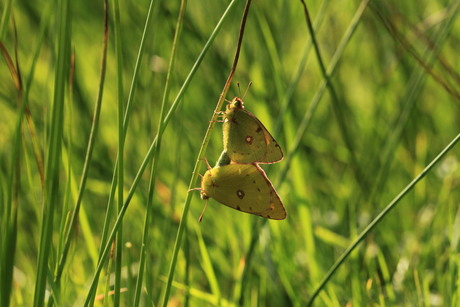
(239, 89)
(247, 89)
(202, 212)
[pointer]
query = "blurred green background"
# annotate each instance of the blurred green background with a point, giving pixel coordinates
(395, 105)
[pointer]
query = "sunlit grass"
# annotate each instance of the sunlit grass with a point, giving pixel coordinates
(351, 146)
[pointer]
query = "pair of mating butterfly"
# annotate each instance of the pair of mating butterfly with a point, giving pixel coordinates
(237, 181)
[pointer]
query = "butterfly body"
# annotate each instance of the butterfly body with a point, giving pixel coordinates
(243, 187)
(245, 138)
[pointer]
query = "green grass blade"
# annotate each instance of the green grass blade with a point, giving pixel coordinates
(380, 217)
(122, 134)
(321, 89)
(207, 264)
(294, 82)
(5, 18)
(54, 152)
(87, 163)
(9, 215)
(338, 104)
(120, 166)
(156, 154)
(414, 89)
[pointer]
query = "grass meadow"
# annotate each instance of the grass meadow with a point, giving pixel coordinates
(107, 110)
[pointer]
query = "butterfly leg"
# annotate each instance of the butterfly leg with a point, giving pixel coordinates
(217, 121)
(207, 164)
(220, 115)
(197, 189)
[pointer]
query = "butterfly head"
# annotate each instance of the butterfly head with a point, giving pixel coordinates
(203, 195)
(236, 103)
(206, 185)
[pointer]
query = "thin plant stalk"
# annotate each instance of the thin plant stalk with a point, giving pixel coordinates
(336, 102)
(119, 55)
(156, 154)
(380, 217)
(9, 212)
(120, 173)
(88, 158)
(53, 160)
(321, 89)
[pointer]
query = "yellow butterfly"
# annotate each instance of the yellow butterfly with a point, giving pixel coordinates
(246, 140)
(243, 187)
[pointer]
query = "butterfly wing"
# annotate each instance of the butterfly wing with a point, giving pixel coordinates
(243, 187)
(246, 139)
